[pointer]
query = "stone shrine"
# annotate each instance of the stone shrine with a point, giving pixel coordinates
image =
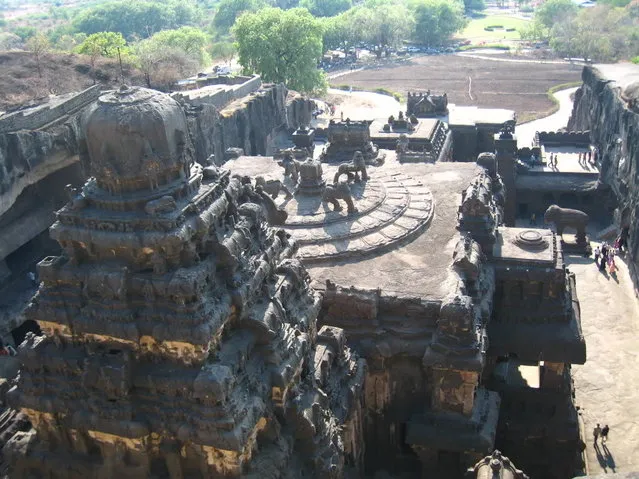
(180, 334)
(347, 137)
(424, 105)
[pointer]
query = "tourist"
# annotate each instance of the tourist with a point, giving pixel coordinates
(596, 431)
(604, 434)
(597, 253)
(32, 277)
(604, 257)
(589, 156)
(533, 219)
(612, 266)
(341, 115)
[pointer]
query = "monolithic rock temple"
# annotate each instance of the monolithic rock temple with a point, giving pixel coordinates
(224, 292)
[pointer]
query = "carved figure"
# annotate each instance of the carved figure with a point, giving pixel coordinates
(274, 215)
(563, 217)
(353, 169)
(272, 187)
(76, 197)
(165, 204)
(339, 191)
(402, 144)
(291, 168)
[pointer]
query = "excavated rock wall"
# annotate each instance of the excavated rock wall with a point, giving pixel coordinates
(249, 123)
(614, 126)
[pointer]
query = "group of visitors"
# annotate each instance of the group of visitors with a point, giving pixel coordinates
(605, 257)
(7, 350)
(553, 160)
(585, 158)
(599, 431)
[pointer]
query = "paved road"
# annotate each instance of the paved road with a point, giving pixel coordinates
(559, 119)
(606, 386)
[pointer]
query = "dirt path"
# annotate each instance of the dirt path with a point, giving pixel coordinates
(559, 119)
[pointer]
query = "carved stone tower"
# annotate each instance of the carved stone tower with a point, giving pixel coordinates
(179, 330)
(506, 152)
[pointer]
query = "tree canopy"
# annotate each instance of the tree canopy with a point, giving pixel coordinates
(228, 10)
(437, 20)
(326, 8)
(555, 11)
(139, 19)
(282, 46)
(106, 44)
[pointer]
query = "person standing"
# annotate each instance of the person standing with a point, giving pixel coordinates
(604, 434)
(595, 432)
(597, 253)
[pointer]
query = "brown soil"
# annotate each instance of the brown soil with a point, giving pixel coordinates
(521, 87)
(61, 73)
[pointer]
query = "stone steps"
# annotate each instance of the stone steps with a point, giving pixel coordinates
(405, 212)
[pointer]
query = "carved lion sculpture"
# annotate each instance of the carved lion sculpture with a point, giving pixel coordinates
(339, 191)
(272, 187)
(353, 169)
(563, 217)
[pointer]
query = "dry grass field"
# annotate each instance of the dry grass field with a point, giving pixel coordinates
(522, 86)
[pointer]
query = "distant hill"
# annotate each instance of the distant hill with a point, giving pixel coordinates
(61, 73)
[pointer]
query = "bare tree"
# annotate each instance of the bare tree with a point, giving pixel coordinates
(38, 45)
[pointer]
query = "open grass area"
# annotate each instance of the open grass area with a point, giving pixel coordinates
(498, 28)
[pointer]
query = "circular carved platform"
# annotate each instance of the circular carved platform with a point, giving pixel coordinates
(392, 208)
(531, 239)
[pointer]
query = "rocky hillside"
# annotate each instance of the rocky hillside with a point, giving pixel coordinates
(606, 105)
(21, 82)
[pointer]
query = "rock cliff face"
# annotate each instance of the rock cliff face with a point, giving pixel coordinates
(605, 105)
(249, 123)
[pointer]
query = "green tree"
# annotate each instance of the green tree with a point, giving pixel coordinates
(555, 11)
(474, 5)
(384, 27)
(282, 46)
(24, 32)
(190, 40)
(437, 20)
(229, 10)
(136, 19)
(103, 44)
(341, 31)
(225, 51)
(326, 8)
(38, 44)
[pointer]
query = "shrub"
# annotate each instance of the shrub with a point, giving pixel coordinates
(635, 60)
(511, 29)
(496, 46)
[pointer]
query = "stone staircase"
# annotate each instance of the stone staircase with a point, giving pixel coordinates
(392, 208)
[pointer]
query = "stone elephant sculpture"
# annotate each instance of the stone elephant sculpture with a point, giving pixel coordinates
(339, 191)
(563, 217)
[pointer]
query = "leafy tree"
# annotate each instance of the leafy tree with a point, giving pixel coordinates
(555, 11)
(136, 19)
(326, 8)
(602, 33)
(474, 5)
(105, 44)
(25, 32)
(38, 44)
(384, 27)
(437, 20)
(163, 65)
(229, 10)
(190, 40)
(341, 31)
(223, 50)
(282, 46)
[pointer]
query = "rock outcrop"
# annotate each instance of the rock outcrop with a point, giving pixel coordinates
(249, 123)
(605, 105)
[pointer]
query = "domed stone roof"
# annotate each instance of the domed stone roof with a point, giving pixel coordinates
(136, 139)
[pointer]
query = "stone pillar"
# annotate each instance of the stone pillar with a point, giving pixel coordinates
(506, 152)
(552, 376)
(454, 390)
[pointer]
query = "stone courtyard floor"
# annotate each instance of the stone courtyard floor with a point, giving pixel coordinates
(607, 386)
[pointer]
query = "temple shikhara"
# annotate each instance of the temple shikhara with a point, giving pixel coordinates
(230, 291)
